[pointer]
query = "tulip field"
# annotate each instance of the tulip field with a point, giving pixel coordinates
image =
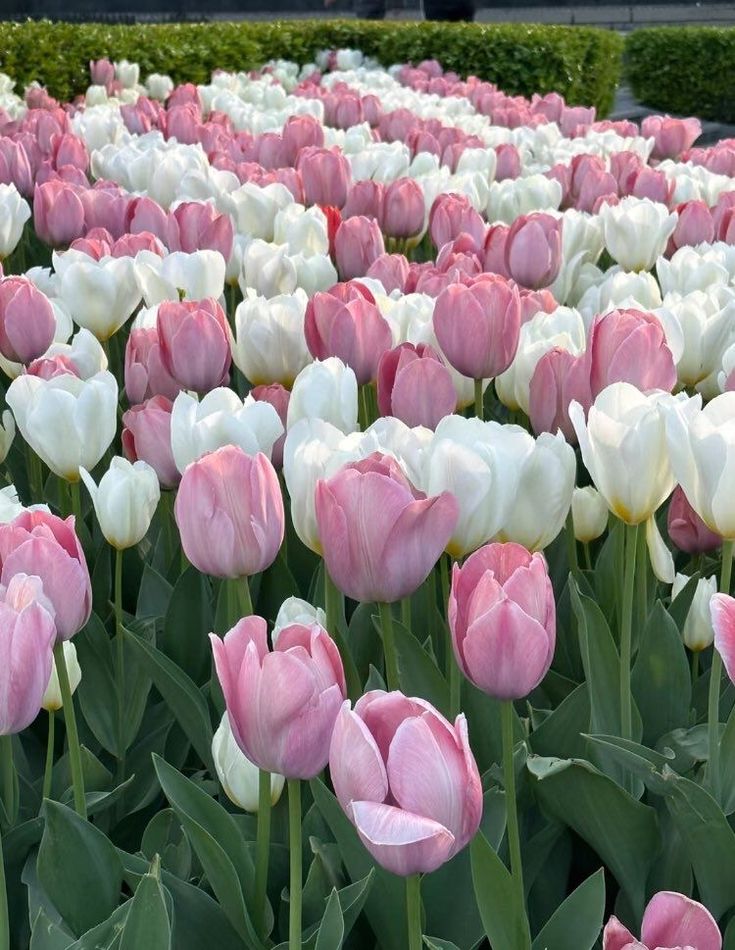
(367, 520)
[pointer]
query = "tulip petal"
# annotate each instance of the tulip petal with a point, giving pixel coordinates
(722, 609)
(400, 841)
(355, 764)
(616, 937)
(673, 920)
(662, 560)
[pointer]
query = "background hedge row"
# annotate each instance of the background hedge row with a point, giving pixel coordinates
(581, 63)
(688, 70)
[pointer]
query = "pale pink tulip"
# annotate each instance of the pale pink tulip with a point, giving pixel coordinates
(145, 373)
(415, 386)
(194, 341)
(533, 250)
(357, 244)
(146, 435)
(670, 136)
(630, 346)
(27, 321)
(686, 529)
(671, 922)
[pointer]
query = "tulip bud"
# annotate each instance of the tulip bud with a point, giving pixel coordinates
(533, 250)
(415, 386)
(194, 341)
(146, 435)
(589, 514)
(686, 529)
(14, 212)
(270, 344)
(124, 501)
(357, 244)
(325, 174)
(697, 632)
(101, 295)
(52, 697)
(403, 209)
(238, 497)
(58, 213)
(671, 137)
(238, 776)
(452, 215)
(502, 618)
(326, 389)
(27, 321)
(636, 232)
(559, 379)
(294, 610)
(630, 346)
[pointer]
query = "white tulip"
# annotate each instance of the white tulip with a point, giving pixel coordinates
(636, 231)
(127, 73)
(159, 86)
(67, 421)
(589, 514)
(691, 269)
(10, 504)
(14, 212)
(254, 208)
(545, 486)
(124, 501)
(270, 345)
(698, 633)
(238, 776)
(101, 295)
(85, 352)
(7, 433)
(193, 276)
(267, 270)
(479, 462)
(303, 230)
(623, 445)
(296, 610)
(221, 418)
(702, 449)
(314, 272)
(325, 389)
(617, 288)
(706, 328)
(509, 199)
(52, 701)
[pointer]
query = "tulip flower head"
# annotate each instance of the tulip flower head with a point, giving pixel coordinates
(671, 921)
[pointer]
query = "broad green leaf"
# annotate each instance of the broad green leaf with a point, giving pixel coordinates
(435, 943)
(578, 922)
(47, 935)
(147, 923)
(105, 936)
(189, 620)
(709, 841)
(560, 733)
(661, 678)
(97, 689)
(417, 672)
(87, 896)
(385, 906)
(154, 594)
(503, 920)
(332, 929)
(181, 695)
(649, 766)
(622, 831)
(727, 765)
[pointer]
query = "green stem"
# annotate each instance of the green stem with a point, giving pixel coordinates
(642, 579)
(6, 753)
(509, 780)
(243, 598)
(167, 517)
(389, 646)
(48, 772)
(695, 666)
(587, 556)
(413, 912)
(294, 847)
(715, 680)
(626, 629)
(75, 754)
(119, 667)
(333, 605)
(4, 916)
(263, 845)
(35, 476)
(364, 408)
(76, 504)
(479, 409)
(571, 546)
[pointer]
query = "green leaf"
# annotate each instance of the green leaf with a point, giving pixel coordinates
(709, 841)
(560, 733)
(87, 895)
(727, 765)
(417, 672)
(661, 680)
(435, 943)
(148, 924)
(332, 928)
(578, 922)
(97, 689)
(215, 837)
(154, 595)
(47, 935)
(189, 619)
(385, 906)
(105, 936)
(622, 831)
(649, 766)
(504, 922)
(180, 694)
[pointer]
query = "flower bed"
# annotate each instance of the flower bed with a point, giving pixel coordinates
(369, 455)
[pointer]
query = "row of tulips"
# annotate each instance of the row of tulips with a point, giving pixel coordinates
(399, 385)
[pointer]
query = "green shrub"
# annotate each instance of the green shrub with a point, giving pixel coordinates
(581, 63)
(687, 70)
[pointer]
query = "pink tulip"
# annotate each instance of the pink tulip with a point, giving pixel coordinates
(594, 186)
(478, 327)
(52, 366)
(686, 529)
(723, 217)
(536, 301)
(407, 779)
(695, 225)
(130, 244)
(106, 208)
(630, 346)
(194, 340)
(301, 131)
(558, 379)
(145, 372)
(502, 619)
(348, 112)
(197, 226)
(27, 321)
(145, 214)
(325, 174)
(279, 397)
(722, 610)
(357, 244)
(15, 166)
(95, 247)
(351, 328)
(386, 558)
(391, 270)
(28, 634)
(533, 250)
(39, 543)
(403, 210)
(146, 435)
(575, 120)
(235, 498)
(452, 215)
(58, 213)
(654, 185)
(670, 921)
(282, 703)
(182, 123)
(101, 72)
(494, 249)
(508, 165)
(671, 136)
(625, 166)
(364, 198)
(415, 386)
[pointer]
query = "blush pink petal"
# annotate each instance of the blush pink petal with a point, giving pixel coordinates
(401, 842)
(356, 766)
(673, 920)
(722, 609)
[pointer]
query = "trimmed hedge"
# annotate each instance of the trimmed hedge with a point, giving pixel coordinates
(581, 63)
(686, 70)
